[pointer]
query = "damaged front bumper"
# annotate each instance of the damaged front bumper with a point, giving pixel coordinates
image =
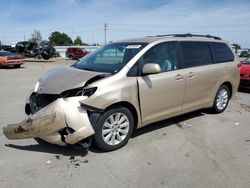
(62, 122)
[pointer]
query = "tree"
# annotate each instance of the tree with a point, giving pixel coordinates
(59, 39)
(237, 47)
(44, 42)
(36, 37)
(78, 41)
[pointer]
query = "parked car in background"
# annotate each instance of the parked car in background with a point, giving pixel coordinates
(245, 74)
(245, 53)
(11, 59)
(32, 49)
(7, 48)
(47, 52)
(28, 48)
(76, 53)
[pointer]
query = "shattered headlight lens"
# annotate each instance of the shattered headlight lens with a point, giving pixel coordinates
(79, 92)
(87, 91)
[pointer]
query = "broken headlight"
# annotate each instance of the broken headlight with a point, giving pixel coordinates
(79, 92)
(87, 91)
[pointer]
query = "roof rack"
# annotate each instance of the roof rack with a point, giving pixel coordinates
(188, 35)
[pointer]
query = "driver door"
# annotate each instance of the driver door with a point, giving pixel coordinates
(161, 95)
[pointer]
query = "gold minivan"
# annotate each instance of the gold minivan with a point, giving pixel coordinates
(126, 85)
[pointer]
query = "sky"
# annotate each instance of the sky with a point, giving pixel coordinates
(228, 19)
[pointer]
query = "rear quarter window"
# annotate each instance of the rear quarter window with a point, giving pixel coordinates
(222, 52)
(196, 54)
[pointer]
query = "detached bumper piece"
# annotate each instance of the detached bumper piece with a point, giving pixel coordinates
(49, 123)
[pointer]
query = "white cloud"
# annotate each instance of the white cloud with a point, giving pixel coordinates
(126, 19)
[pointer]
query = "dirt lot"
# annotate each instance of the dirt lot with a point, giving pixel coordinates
(194, 150)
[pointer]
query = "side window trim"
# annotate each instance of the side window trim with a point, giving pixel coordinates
(179, 55)
(212, 53)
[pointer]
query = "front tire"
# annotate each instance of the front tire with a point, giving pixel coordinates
(221, 99)
(113, 129)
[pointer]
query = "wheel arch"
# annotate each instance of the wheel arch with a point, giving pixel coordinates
(129, 106)
(230, 87)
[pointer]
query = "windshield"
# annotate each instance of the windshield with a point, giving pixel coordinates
(247, 61)
(111, 58)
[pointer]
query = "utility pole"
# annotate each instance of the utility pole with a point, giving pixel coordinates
(72, 34)
(105, 33)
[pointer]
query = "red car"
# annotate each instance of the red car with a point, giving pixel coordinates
(9, 58)
(245, 74)
(76, 53)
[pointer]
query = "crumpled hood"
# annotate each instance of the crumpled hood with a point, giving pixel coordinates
(64, 78)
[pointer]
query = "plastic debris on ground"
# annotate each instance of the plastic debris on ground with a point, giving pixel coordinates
(188, 124)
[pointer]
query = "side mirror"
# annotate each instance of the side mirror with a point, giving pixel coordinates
(151, 68)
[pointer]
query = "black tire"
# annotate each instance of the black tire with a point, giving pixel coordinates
(45, 56)
(219, 107)
(105, 118)
(71, 57)
(17, 66)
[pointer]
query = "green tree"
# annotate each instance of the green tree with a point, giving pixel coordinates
(36, 37)
(236, 47)
(59, 39)
(44, 42)
(78, 41)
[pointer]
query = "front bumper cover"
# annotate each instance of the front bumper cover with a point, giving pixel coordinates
(50, 120)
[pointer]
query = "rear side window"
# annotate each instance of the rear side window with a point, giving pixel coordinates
(196, 54)
(222, 52)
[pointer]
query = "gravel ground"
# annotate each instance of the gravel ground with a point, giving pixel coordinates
(193, 150)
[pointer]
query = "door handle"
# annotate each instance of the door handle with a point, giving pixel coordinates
(179, 77)
(190, 75)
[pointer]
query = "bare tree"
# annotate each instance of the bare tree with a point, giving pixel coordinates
(36, 37)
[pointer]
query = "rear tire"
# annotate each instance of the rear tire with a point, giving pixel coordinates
(113, 129)
(221, 99)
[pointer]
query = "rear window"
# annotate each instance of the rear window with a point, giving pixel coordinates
(196, 54)
(222, 52)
